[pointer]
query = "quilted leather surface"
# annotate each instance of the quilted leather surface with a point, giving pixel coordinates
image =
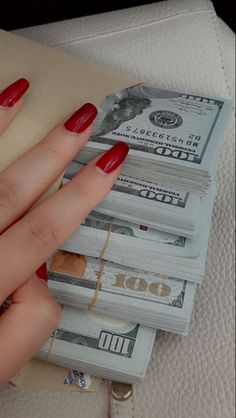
(175, 43)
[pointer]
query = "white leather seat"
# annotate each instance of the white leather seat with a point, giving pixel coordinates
(181, 44)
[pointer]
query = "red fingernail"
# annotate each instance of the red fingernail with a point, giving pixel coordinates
(82, 118)
(42, 272)
(113, 157)
(14, 92)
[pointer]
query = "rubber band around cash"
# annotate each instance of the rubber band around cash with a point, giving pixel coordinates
(102, 266)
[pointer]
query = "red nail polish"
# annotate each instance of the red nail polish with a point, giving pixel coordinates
(113, 157)
(82, 118)
(42, 272)
(14, 92)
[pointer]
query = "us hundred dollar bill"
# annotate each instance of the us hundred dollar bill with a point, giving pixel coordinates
(140, 188)
(144, 248)
(99, 345)
(173, 136)
(140, 201)
(151, 299)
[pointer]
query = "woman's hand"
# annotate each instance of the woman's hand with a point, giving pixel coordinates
(28, 237)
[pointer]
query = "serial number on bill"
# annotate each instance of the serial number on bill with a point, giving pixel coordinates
(155, 134)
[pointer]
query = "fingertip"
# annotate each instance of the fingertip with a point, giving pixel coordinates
(113, 158)
(42, 273)
(14, 92)
(81, 119)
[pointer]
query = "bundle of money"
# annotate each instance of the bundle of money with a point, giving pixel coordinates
(100, 345)
(144, 248)
(150, 299)
(130, 259)
(174, 137)
(143, 202)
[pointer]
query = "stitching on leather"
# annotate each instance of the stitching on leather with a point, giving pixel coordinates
(129, 29)
(132, 404)
(214, 23)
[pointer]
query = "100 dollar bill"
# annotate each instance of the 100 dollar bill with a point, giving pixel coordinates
(150, 299)
(70, 269)
(100, 345)
(139, 188)
(176, 126)
(145, 236)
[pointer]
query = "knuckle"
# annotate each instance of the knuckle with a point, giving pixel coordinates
(8, 196)
(52, 149)
(50, 311)
(80, 191)
(43, 232)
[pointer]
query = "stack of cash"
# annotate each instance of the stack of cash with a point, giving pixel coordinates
(150, 299)
(141, 247)
(100, 345)
(146, 203)
(141, 253)
(174, 137)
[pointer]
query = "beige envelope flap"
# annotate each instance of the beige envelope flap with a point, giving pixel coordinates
(38, 374)
(60, 83)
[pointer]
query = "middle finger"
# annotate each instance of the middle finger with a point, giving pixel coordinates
(27, 244)
(25, 180)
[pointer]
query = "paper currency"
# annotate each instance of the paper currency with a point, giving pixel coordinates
(84, 381)
(144, 248)
(142, 230)
(174, 137)
(150, 299)
(96, 344)
(147, 203)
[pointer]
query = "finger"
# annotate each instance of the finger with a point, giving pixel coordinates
(27, 178)
(26, 325)
(27, 244)
(11, 102)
